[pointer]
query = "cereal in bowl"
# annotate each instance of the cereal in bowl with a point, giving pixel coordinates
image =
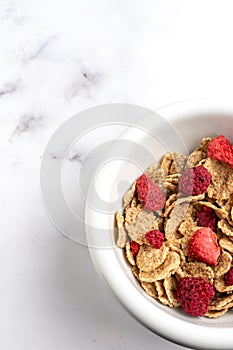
(176, 229)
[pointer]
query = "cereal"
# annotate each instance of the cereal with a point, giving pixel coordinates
(176, 217)
(129, 195)
(222, 179)
(129, 254)
(166, 163)
(199, 153)
(224, 264)
(170, 285)
(170, 188)
(169, 205)
(225, 227)
(220, 285)
(173, 163)
(227, 244)
(138, 222)
(174, 248)
(184, 243)
(122, 234)
(156, 174)
(181, 208)
(150, 289)
(173, 179)
(198, 269)
(162, 296)
(149, 259)
(219, 303)
(135, 271)
(215, 314)
(178, 164)
(189, 223)
(165, 270)
(156, 205)
(158, 223)
(220, 212)
(228, 207)
(132, 212)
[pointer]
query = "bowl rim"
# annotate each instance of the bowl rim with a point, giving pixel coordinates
(198, 336)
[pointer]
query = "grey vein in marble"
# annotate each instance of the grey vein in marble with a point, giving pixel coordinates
(27, 123)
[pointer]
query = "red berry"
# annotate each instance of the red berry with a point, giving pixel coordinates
(155, 238)
(134, 247)
(194, 295)
(203, 246)
(149, 194)
(207, 218)
(229, 277)
(220, 148)
(195, 181)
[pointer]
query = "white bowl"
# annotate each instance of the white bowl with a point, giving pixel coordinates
(192, 120)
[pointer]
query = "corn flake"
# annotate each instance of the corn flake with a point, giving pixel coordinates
(128, 197)
(224, 264)
(227, 244)
(196, 269)
(129, 254)
(215, 314)
(178, 163)
(222, 179)
(138, 222)
(221, 213)
(219, 303)
(162, 296)
(170, 285)
(221, 286)
(135, 271)
(150, 289)
(149, 259)
(199, 154)
(165, 270)
(122, 234)
(225, 227)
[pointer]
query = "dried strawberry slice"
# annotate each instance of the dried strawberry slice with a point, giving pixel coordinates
(220, 149)
(149, 193)
(203, 246)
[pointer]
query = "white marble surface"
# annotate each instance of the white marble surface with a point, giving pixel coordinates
(59, 57)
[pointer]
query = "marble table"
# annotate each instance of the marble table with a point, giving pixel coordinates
(58, 58)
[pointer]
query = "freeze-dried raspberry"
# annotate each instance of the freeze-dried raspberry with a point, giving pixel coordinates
(155, 238)
(229, 277)
(149, 194)
(207, 218)
(134, 247)
(220, 148)
(195, 181)
(194, 295)
(203, 246)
